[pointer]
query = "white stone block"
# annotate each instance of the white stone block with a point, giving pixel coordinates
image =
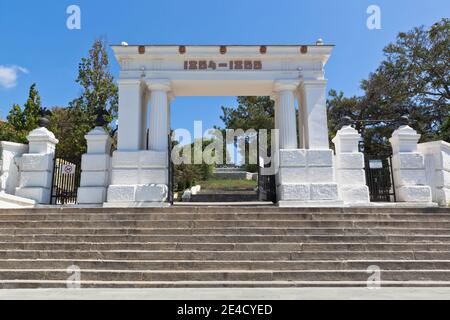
(119, 193)
(36, 162)
(154, 176)
(320, 158)
(125, 177)
(324, 191)
(351, 176)
(294, 192)
(292, 175)
(95, 162)
(443, 196)
(98, 141)
(125, 159)
(412, 160)
(350, 161)
(355, 194)
(40, 195)
(445, 164)
(36, 179)
(293, 158)
(153, 159)
(321, 174)
(152, 193)
(94, 179)
(414, 194)
(442, 178)
(409, 177)
(91, 195)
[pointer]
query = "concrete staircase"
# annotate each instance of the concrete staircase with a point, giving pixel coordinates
(224, 247)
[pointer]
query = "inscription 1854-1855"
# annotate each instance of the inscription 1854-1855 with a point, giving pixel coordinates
(231, 65)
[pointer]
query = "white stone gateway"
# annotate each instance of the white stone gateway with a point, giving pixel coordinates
(151, 76)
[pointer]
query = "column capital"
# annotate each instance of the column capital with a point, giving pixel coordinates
(315, 82)
(129, 82)
(286, 85)
(159, 85)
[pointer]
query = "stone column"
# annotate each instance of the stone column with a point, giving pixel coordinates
(409, 168)
(313, 103)
(301, 122)
(131, 96)
(158, 135)
(437, 170)
(95, 167)
(350, 173)
(36, 167)
(286, 114)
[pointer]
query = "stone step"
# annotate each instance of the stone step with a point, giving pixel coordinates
(47, 284)
(227, 238)
(226, 224)
(228, 231)
(224, 255)
(185, 246)
(224, 264)
(445, 217)
(229, 209)
(221, 196)
(226, 275)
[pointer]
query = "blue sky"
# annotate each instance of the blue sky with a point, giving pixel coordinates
(36, 45)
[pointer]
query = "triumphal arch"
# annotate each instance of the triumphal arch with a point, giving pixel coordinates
(151, 76)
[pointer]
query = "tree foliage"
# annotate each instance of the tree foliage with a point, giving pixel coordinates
(99, 96)
(22, 120)
(413, 80)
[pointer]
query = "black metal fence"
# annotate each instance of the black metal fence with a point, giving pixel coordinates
(380, 178)
(267, 189)
(170, 172)
(66, 180)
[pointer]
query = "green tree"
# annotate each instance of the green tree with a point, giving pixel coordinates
(23, 120)
(251, 113)
(412, 80)
(99, 96)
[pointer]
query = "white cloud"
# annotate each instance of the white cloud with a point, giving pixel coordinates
(9, 75)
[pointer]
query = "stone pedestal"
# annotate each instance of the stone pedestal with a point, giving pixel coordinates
(10, 154)
(36, 167)
(139, 179)
(306, 178)
(409, 167)
(349, 163)
(437, 170)
(95, 166)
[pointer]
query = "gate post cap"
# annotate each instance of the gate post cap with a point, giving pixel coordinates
(347, 140)
(98, 141)
(42, 141)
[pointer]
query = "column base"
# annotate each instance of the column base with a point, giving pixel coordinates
(310, 204)
(40, 195)
(414, 194)
(91, 195)
(136, 205)
(158, 193)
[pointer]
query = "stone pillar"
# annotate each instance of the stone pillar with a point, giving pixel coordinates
(140, 178)
(10, 154)
(301, 122)
(313, 104)
(437, 170)
(286, 114)
(95, 166)
(131, 98)
(36, 167)
(409, 168)
(350, 173)
(158, 135)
